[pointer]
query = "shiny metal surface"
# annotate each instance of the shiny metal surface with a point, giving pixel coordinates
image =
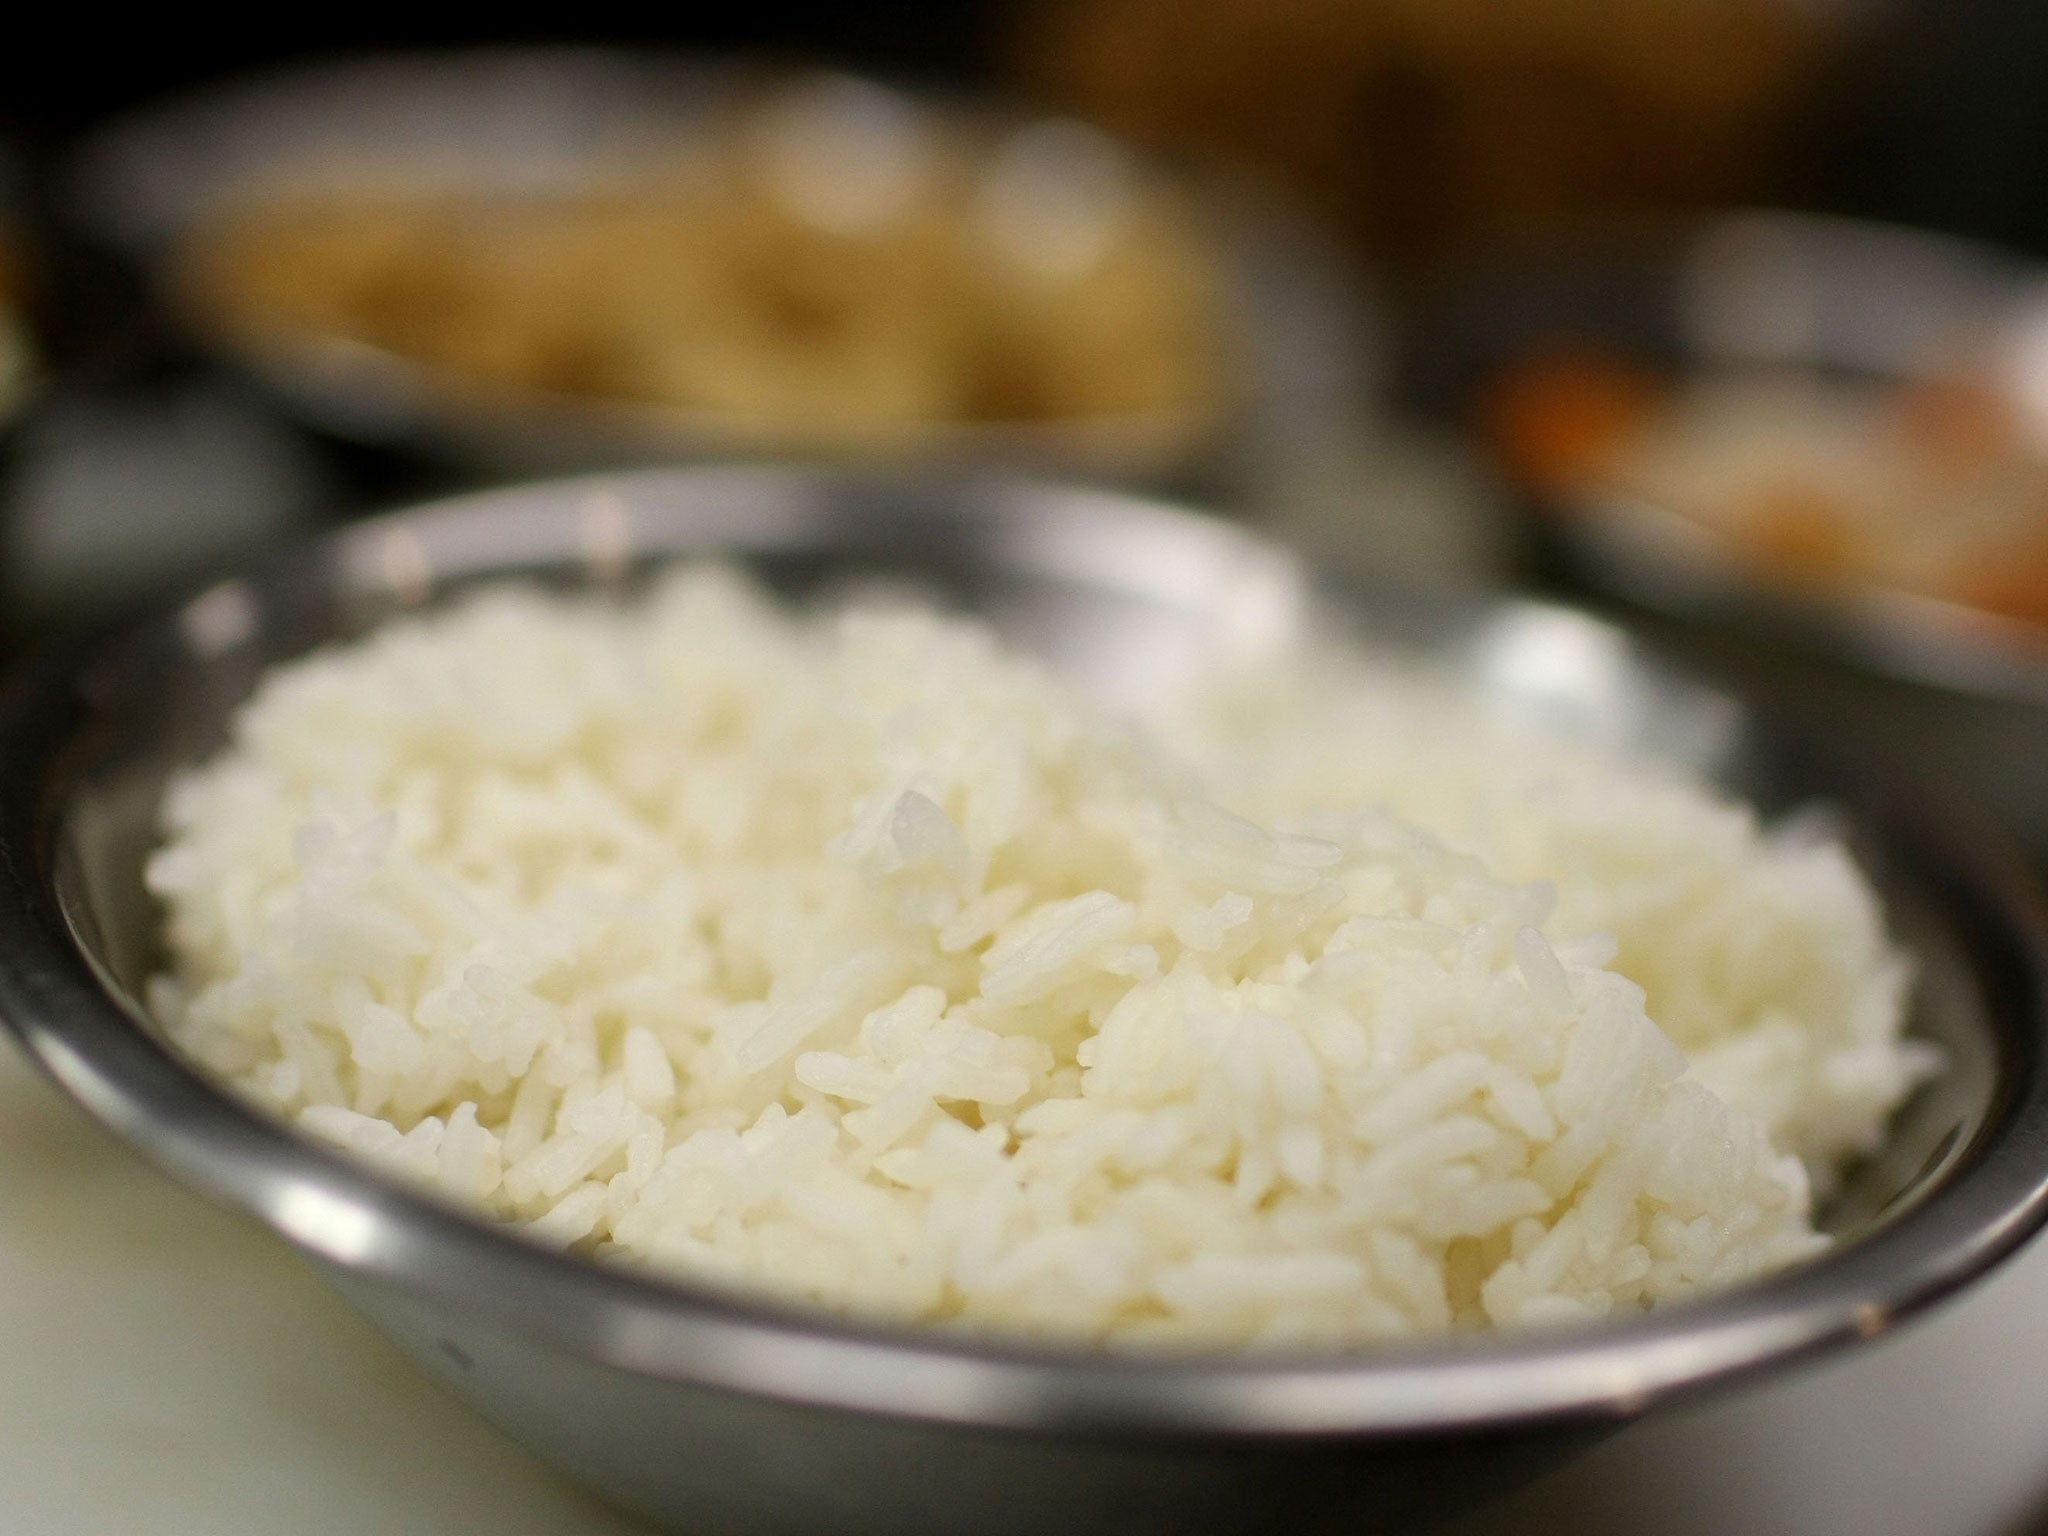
(718, 1415)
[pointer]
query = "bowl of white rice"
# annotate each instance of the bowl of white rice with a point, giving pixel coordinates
(862, 1005)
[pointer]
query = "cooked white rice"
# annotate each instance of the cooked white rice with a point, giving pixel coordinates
(857, 959)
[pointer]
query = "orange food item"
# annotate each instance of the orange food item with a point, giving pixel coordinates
(2010, 579)
(1557, 418)
(1797, 532)
(1963, 425)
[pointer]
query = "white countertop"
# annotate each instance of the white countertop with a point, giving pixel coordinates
(168, 1367)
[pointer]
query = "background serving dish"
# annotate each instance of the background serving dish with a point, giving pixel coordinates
(615, 1376)
(1902, 680)
(815, 249)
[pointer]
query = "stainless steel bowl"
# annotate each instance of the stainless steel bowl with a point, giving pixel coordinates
(719, 1415)
(1955, 696)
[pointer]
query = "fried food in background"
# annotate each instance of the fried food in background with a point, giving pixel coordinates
(1425, 126)
(1935, 486)
(834, 268)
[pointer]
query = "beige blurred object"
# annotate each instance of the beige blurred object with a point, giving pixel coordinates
(1423, 126)
(837, 269)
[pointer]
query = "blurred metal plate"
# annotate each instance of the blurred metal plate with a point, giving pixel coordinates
(1300, 347)
(1865, 304)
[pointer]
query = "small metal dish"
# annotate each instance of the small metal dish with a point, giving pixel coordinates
(1292, 333)
(1915, 685)
(718, 1415)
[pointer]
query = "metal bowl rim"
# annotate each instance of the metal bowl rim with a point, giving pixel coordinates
(1618, 541)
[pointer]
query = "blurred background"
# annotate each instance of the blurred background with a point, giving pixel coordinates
(1721, 314)
(1396, 178)
(1725, 317)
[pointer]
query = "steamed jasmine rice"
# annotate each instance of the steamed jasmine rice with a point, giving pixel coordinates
(856, 959)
